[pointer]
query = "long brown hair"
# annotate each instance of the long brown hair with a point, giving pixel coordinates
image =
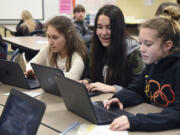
(73, 42)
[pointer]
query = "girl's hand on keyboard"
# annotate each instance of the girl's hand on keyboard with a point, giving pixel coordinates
(108, 103)
(98, 86)
(30, 74)
(85, 82)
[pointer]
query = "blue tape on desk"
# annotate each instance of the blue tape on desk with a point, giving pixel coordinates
(69, 129)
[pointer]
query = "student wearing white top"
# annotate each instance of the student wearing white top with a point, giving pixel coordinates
(65, 51)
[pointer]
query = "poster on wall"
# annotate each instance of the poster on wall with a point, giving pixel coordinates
(65, 6)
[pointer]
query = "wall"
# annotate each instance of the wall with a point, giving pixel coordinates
(92, 6)
(51, 8)
(134, 8)
(138, 9)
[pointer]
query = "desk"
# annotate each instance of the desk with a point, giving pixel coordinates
(27, 43)
(133, 21)
(132, 25)
(10, 28)
(59, 118)
(57, 115)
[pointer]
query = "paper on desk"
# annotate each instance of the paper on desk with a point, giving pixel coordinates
(85, 129)
(32, 94)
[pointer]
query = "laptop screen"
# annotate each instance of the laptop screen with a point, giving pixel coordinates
(21, 115)
(12, 74)
(76, 97)
(45, 76)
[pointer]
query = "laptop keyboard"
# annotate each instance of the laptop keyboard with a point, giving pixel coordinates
(94, 93)
(103, 115)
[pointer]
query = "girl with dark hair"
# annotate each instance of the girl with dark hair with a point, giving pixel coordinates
(115, 58)
(65, 51)
(159, 84)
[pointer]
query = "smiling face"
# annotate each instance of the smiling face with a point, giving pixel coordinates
(152, 49)
(103, 30)
(57, 41)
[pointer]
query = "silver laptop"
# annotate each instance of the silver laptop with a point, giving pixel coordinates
(76, 99)
(12, 74)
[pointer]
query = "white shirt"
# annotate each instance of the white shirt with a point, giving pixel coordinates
(77, 64)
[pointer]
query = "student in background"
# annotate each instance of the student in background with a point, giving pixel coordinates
(25, 27)
(115, 56)
(159, 83)
(164, 5)
(65, 50)
(3, 49)
(81, 25)
(27, 24)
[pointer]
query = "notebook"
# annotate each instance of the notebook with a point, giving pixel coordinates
(21, 115)
(76, 99)
(45, 75)
(12, 74)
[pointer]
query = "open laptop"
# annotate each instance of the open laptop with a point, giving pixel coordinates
(12, 74)
(21, 115)
(45, 75)
(76, 99)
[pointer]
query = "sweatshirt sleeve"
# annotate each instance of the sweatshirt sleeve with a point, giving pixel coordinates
(128, 98)
(168, 118)
(133, 94)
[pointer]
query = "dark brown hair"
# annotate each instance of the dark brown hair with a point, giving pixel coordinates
(78, 8)
(115, 56)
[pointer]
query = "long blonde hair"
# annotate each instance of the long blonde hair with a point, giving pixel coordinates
(28, 21)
